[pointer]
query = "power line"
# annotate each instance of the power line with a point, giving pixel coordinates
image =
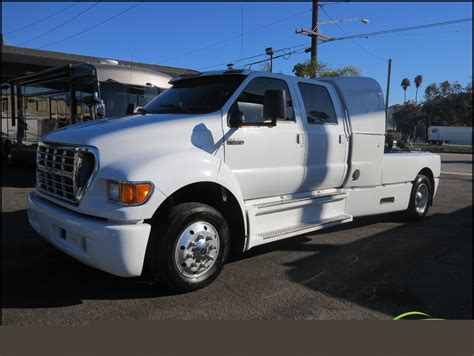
(93, 27)
(41, 20)
(411, 28)
(426, 33)
(354, 41)
(254, 56)
(61, 24)
(285, 56)
(340, 38)
(235, 37)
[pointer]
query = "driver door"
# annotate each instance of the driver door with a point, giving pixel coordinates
(267, 161)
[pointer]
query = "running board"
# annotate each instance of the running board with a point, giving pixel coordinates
(276, 218)
(308, 227)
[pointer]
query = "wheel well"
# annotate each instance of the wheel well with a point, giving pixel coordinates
(217, 196)
(428, 173)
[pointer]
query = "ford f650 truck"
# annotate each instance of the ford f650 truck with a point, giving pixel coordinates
(222, 161)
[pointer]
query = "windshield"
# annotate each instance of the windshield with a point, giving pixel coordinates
(196, 95)
(118, 97)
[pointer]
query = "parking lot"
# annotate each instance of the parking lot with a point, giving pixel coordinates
(373, 268)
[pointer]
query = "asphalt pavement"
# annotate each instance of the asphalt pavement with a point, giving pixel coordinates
(373, 268)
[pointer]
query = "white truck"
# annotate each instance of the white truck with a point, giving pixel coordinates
(221, 161)
(450, 134)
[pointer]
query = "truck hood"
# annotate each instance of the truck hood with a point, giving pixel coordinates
(144, 135)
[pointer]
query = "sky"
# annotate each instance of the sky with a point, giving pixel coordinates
(200, 35)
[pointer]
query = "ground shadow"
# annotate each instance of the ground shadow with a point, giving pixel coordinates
(423, 266)
(18, 175)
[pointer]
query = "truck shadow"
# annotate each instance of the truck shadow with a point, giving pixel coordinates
(423, 266)
(18, 175)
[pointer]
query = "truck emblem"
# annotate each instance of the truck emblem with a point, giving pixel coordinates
(235, 141)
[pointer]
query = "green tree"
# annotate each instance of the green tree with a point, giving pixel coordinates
(346, 71)
(431, 91)
(406, 117)
(405, 84)
(311, 69)
(418, 81)
(445, 87)
(448, 104)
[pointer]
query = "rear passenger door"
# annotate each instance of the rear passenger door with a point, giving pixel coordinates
(326, 149)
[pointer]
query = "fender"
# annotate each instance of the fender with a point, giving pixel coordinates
(199, 166)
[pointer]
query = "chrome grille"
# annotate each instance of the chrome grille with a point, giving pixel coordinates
(65, 172)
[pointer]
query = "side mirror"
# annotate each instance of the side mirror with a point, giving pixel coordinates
(236, 118)
(274, 105)
(139, 110)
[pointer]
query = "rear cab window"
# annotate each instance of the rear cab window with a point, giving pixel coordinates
(319, 108)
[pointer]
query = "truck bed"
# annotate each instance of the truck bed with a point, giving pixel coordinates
(404, 166)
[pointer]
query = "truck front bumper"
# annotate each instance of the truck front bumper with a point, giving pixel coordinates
(113, 247)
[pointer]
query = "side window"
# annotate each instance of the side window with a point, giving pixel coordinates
(318, 104)
(250, 101)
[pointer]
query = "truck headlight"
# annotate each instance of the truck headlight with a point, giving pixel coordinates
(129, 193)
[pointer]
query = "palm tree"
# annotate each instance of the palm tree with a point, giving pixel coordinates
(405, 84)
(418, 81)
(310, 69)
(346, 71)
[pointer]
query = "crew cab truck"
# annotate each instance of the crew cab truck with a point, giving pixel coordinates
(222, 161)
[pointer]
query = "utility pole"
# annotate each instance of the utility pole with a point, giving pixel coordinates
(388, 88)
(314, 39)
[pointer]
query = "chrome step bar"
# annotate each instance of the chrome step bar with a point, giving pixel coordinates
(307, 227)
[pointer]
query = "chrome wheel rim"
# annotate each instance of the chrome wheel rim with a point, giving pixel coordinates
(197, 249)
(421, 198)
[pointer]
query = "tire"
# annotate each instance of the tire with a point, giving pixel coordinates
(420, 198)
(174, 240)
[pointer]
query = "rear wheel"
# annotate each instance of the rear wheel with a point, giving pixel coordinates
(420, 198)
(189, 248)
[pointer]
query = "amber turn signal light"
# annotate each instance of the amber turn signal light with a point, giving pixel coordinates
(134, 193)
(129, 193)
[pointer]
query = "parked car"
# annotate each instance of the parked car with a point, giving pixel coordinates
(221, 161)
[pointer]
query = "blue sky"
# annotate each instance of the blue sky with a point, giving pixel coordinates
(165, 33)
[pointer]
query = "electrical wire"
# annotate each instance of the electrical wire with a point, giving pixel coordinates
(234, 37)
(354, 41)
(402, 29)
(285, 56)
(94, 26)
(252, 57)
(341, 38)
(41, 20)
(424, 33)
(61, 24)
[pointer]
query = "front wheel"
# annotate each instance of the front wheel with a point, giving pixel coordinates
(420, 198)
(189, 249)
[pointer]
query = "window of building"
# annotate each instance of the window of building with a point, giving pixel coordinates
(318, 104)
(250, 101)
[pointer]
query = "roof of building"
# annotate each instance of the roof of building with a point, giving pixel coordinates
(39, 58)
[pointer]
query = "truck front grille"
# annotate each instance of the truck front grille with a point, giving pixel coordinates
(65, 172)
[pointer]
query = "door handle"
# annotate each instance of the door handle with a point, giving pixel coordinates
(300, 139)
